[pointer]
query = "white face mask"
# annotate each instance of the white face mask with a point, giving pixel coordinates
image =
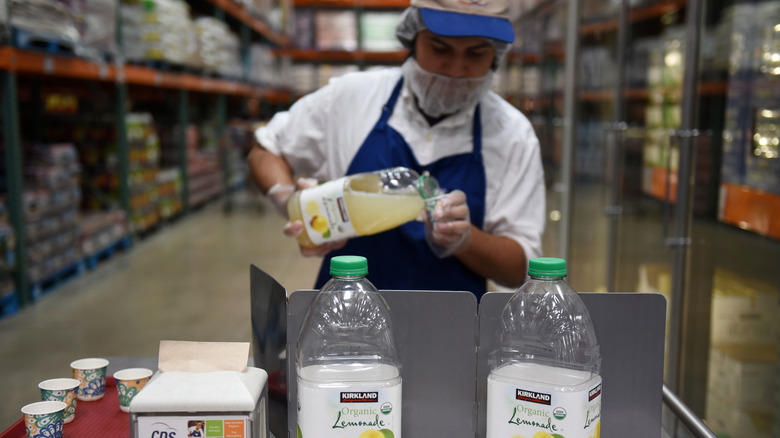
(438, 95)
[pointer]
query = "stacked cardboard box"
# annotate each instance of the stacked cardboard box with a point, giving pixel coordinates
(744, 352)
(51, 200)
(101, 231)
(8, 302)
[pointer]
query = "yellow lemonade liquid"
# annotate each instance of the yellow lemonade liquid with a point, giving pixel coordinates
(371, 210)
(373, 213)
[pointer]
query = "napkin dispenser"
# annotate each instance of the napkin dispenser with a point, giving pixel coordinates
(202, 390)
(226, 404)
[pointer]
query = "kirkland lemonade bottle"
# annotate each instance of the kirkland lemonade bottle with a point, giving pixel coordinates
(360, 204)
(349, 380)
(544, 377)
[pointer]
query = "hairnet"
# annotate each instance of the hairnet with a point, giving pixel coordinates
(411, 23)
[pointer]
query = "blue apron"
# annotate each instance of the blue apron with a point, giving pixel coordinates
(400, 258)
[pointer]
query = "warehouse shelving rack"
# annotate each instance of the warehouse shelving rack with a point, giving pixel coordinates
(18, 62)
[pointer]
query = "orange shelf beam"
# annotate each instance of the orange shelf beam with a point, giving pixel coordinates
(33, 63)
(370, 4)
(20, 61)
(241, 14)
(639, 13)
(314, 55)
(750, 209)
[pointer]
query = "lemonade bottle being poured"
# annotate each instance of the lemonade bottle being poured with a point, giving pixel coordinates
(360, 204)
(544, 379)
(349, 379)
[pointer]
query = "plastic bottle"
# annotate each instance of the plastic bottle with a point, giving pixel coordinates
(544, 376)
(359, 205)
(349, 380)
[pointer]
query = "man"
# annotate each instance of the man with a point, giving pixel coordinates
(436, 113)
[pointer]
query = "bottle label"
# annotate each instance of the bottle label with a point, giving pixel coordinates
(347, 413)
(325, 214)
(535, 411)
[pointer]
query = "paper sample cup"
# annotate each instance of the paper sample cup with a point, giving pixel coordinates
(43, 419)
(128, 383)
(432, 203)
(92, 375)
(64, 390)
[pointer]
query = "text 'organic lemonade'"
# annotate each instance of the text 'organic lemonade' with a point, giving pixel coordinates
(349, 379)
(544, 379)
(359, 205)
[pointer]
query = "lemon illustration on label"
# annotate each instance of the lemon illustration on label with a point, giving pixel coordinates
(312, 208)
(543, 434)
(598, 430)
(319, 224)
(372, 433)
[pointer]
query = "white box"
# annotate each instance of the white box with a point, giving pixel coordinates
(743, 375)
(744, 313)
(174, 403)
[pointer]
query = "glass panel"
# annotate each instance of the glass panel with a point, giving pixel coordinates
(629, 113)
(732, 371)
(648, 151)
(535, 72)
(597, 76)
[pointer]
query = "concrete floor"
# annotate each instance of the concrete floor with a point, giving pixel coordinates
(188, 281)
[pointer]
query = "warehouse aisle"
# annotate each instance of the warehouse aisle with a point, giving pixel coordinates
(189, 281)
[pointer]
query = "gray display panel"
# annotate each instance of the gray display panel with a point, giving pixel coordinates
(444, 340)
(436, 336)
(630, 328)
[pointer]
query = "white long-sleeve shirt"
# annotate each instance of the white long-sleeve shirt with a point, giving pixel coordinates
(322, 132)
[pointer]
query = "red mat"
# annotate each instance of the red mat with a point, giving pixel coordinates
(94, 419)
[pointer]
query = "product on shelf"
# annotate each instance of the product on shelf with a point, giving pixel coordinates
(51, 201)
(743, 356)
(218, 47)
(169, 187)
(750, 171)
(45, 21)
(303, 78)
(8, 301)
(102, 230)
(159, 30)
(663, 114)
(144, 161)
(377, 31)
(597, 68)
(98, 29)
(205, 179)
(335, 30)
(234, 146)
(266, 69)
(303, 37)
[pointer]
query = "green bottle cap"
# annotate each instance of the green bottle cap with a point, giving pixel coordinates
(348, 265)
(547, 267)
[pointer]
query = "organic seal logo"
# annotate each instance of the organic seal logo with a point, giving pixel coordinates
(559, 413)
(475, 2)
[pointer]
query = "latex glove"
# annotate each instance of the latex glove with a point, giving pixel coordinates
(294, 228)
(280, 193)
(448, 227)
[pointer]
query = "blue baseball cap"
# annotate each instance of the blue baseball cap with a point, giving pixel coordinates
(459, 18)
